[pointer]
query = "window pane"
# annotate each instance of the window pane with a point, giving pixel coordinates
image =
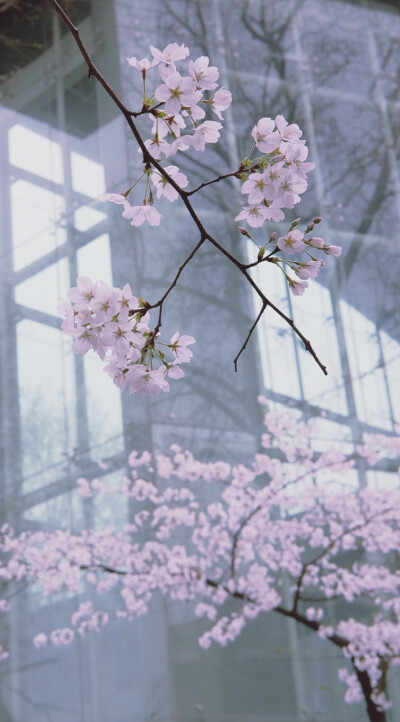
(47, 389)
(36, 222)
(35, 153)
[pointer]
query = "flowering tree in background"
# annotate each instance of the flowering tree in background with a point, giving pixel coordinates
(286, 533)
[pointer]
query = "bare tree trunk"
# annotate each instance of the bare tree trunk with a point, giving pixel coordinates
(374, 714)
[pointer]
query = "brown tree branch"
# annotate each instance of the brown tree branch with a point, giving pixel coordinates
(233, 174)
(326, 550)
(184, 195)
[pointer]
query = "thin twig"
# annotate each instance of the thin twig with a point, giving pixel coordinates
(263, 259)
(235, 360)
(234, 174)
(159, 303)
(145, 110)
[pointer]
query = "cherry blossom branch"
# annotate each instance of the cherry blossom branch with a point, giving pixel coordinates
(103, 568)
(336, 639)
(233, 174)
(263, 259)
(266, 302)
(149, 160)
(260, 507)
(247, 339)
(146, 110)
(159, 303)
(237, 535)
(328, 549)
(375, 714)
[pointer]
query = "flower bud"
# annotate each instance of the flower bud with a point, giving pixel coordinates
(273, 236)
(294, 224)
(316, 242)
(318, 219)
(309, 228)
(333, 250)
(244, 232)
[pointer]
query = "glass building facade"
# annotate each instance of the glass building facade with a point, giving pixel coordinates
(333, 67)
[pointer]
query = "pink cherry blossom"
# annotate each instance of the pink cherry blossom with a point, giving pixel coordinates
(182, 143)
(332, 250)
(290, 133)
(174, 370)
(142, 65)
(203, 74)
(171, 53)
(146, 382)
(255, 215)
(310, 269)
(61, 636)
(40, 640)
(315, 242)
(84, 339)
(119, 335)
(105, 303)
(82, 293)
(164, 188)
(292, 242)
(295, 156)
(297, 287)
(139, 214)
(177, 91)
(220, 101)
(207, 132)
(266, 139)
(126, 301)
(117, 198)
(288, 188)
(171, 124)
(178, 345)
(66, 310)
(136, 214)
(258, 188)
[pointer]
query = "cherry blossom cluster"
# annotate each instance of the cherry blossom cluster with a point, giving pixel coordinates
(178, 111)
(278, 177)
(295, 242)
(178, 103)
(115, 324)
(273, 181)
(280, 513)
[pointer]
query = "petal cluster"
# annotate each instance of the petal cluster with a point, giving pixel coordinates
(278, 178)
(115, 324)
(181, 100)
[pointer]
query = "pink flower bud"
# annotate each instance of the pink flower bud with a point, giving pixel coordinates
(244, 232)
(333, 250)
(316, 242)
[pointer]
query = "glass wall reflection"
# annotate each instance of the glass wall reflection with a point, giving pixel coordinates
(331, 66)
